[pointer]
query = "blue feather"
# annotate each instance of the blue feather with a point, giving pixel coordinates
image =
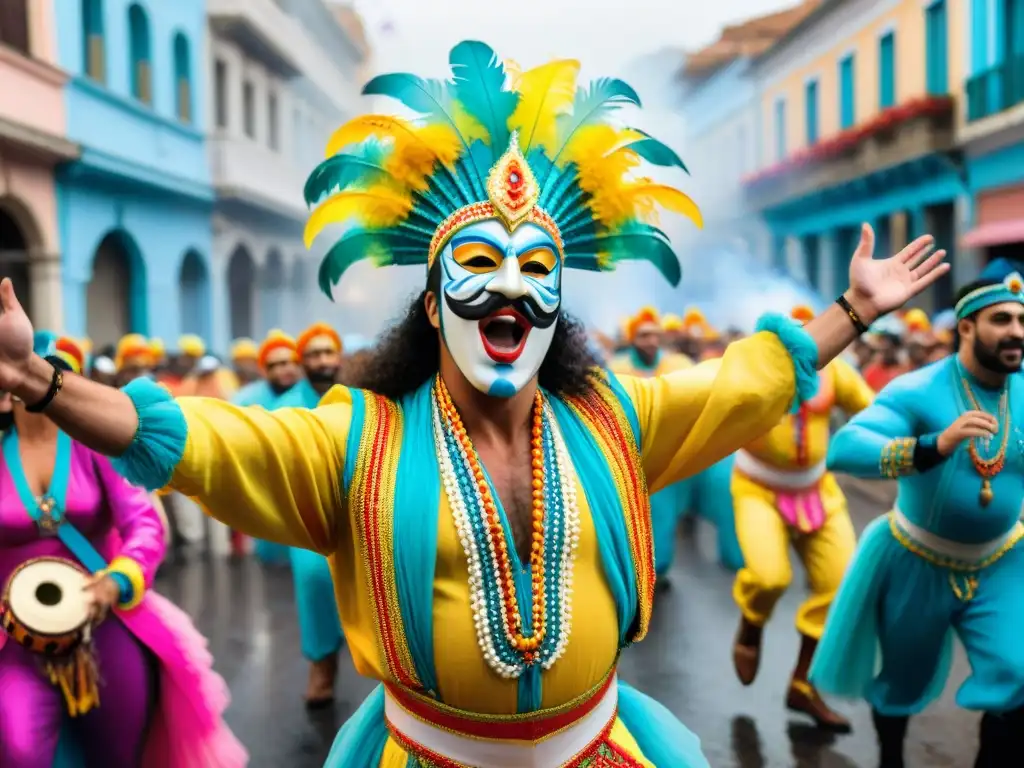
(635, 244)
(383, 248)
(656, 152)
(427, 97)
(479, 83)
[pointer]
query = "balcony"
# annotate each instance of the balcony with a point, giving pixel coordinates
(250, 174)
(995, 90)
(267, 33)
(261, 29)
(899, 136)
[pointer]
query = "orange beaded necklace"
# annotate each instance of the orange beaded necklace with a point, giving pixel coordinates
(526, 645)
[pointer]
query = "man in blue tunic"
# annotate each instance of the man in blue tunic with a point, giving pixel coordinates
(946, 559)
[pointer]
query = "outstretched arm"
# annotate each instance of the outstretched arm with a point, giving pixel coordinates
(692, 418)
(881, 441)
(275, 476)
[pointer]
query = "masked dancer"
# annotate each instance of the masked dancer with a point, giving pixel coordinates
(141, 691)
(487, 486)
(783, 496)
(646, 357)
(319, 350)
(947, 558)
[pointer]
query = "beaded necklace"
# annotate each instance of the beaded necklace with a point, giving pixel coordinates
(988, 467)
(508, 645)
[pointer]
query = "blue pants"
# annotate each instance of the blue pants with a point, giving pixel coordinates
(901, 605)
(667, 507)
(712, 500)
(319, 625)
(271, 553)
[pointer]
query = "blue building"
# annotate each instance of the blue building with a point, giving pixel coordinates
(135, 209)
(993, 134)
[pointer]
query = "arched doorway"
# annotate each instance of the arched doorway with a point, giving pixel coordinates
(272, 286)
(14, 258)
(194, 299)
(116, 295)
(242, 293)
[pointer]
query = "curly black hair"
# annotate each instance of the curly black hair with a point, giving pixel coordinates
(408, 354)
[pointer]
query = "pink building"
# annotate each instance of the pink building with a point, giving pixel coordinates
(32, 128)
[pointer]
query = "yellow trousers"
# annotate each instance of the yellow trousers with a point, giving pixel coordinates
(765, 539)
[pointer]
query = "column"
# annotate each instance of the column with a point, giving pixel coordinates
(898, 228)
(830, 264)
(883, 236)
(796, 263)
(44, 276)
(917, 222)
(812, 259)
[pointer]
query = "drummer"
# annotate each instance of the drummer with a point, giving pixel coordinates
(142, 693)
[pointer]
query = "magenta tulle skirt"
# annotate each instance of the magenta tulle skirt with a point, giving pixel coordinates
(188, 728)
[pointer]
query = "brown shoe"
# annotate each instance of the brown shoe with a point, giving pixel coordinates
(320, 690)
(804, 697)
(746, 652)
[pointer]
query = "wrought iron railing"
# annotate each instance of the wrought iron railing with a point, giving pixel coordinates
(996, 89)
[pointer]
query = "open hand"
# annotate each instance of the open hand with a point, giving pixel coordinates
(15, 338)
(101, 594)
(879, 286)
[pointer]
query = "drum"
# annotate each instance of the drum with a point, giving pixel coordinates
(44, 609)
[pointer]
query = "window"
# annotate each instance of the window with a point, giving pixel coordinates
(847, 95)
(936, 47)
(93, 54)
(249, 110)
(139, 56)
(220, 92)
(182, 79)
(273, 137)
(811, 97)
(14, 25)
(780, 130)
(887, 70)
(298, 134)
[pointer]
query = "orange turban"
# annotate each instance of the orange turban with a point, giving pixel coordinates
(315, 331)
(134, 349)
(276, 340)
(646, 316)
(71, 353)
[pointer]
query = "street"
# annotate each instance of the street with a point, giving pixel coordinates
(247, 613)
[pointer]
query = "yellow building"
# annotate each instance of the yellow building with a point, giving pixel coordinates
(858, 123)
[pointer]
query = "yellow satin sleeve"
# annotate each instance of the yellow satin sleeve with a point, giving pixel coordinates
(695, 417)
(853, 394)
(276, 475)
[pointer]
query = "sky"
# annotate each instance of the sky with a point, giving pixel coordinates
(416, 35)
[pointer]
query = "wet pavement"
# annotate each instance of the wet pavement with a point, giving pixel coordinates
(247, 613)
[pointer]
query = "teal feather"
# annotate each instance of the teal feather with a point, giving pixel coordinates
(479, 85)
(582, 261)
(565, 187)
(339, 173)
(590, 106)
(382, 248)
(637, 244)
(656, 152)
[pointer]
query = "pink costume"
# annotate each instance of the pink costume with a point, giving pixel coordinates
(160, 701)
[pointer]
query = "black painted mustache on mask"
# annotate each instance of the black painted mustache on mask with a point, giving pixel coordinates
(524, 305)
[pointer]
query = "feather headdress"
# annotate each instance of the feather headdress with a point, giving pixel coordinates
(494, 142)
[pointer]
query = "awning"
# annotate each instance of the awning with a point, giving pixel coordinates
(995, 233)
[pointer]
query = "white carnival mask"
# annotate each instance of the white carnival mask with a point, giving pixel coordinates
(500, 297)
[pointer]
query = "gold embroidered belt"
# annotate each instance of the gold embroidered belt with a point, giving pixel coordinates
(448, 738)
(964, 561)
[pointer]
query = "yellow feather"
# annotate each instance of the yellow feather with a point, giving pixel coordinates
(412, 161)
(376, 208)
(359, 129)
(600, 157)
(545, 93)
(470, 128)
(618, 203)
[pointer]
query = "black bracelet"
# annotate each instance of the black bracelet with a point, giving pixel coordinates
(56, 383)
(852, 314)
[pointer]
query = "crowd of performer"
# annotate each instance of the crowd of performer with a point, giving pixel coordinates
(454, 496)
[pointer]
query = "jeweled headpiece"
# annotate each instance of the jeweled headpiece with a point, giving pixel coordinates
(492, 144)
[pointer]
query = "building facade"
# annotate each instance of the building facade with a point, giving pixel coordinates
(285, 74)
(991, 130)
(859, 106)
(32, 142)
(134, 208)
